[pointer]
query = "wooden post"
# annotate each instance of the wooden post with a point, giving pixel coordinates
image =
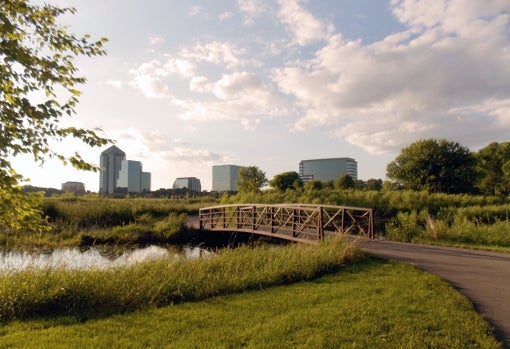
(254, 218)
(320, 227)
(272, 218)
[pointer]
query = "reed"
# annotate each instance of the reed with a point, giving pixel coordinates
(36, 292)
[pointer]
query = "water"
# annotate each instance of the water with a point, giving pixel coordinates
(76, 259)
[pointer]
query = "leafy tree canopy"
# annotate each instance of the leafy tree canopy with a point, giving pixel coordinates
(38, 90)
(286, 180)
(345, 182)
(493, 162)
(374, 184)
(314, 185)
(436, 166)
(251, 179)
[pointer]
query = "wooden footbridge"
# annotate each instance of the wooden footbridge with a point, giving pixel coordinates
(294, 222)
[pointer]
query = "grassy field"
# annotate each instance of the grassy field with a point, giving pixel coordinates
(374, 304)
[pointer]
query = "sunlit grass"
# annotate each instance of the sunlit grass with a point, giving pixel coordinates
(374, 304)
(34, 291)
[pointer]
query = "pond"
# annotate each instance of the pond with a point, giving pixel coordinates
(76, 259)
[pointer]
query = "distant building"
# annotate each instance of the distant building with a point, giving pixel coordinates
(74, 187)
(110, 162)
(146, 182)
(131, 177)
(225, 177)
(327, 169)
(191, 183)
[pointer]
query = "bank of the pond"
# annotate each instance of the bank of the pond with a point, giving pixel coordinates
(96, 292)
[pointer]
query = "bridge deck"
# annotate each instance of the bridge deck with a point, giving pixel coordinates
(294, 222)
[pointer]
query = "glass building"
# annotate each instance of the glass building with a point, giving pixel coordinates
(131, 177)
(191, 183)
(110, 162)
(327, 169)
(225, 177)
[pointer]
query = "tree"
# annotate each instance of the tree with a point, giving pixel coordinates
(436, 166)
(36, 64)
(493, 163)
(251, 179)
(314, 185)
(374, 184)
(286, 180)
(345, 182)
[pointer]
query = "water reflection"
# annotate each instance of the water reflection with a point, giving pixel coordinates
(75, 259)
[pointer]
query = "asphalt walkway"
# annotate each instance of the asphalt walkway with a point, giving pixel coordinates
(483, 277)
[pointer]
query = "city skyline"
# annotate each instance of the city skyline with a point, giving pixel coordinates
(186, 86)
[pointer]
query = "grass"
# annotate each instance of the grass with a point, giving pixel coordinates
(87, 293)
(374, 304)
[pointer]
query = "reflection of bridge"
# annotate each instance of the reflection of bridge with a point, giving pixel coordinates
(295, 222)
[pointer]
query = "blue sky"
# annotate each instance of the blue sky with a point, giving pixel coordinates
(191, 84)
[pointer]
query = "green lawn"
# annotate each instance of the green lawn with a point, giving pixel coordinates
(374, 304)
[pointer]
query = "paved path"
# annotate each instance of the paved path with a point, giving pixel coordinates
(483, 277)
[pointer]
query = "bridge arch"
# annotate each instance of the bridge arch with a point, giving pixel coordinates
(294, 222)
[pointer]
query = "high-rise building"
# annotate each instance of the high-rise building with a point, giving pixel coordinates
(146, 182)
(327, 169)
(131, 177)
(225, 177)
(110, 162)
(191, 183)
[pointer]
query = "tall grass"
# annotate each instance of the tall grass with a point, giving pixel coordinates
(92, 220)
(461, 230)
(95, 211)
(155, 283)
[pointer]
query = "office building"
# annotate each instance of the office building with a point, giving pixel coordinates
(225, 177)
(74, 187)
(146, 182)
(327, 169)
(110, 162)
(131, 177)
(191, 183)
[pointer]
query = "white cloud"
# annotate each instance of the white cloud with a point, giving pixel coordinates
(155, 150)
(240, 96)
(303, 26)
(182, 67)
(155, 40)
(432, 80)
(196, 10)
(215, 52)
(200, 84)
(226, 16)
(148, 78)
(237, 84)
(114, 83)
(252, 9)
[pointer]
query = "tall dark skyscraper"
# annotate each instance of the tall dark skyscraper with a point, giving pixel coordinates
(110, 162)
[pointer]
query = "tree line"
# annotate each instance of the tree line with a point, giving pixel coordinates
(433, 165)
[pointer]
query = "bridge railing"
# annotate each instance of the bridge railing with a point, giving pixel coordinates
(303, 223)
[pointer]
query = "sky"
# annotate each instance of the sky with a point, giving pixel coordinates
(186, 85)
